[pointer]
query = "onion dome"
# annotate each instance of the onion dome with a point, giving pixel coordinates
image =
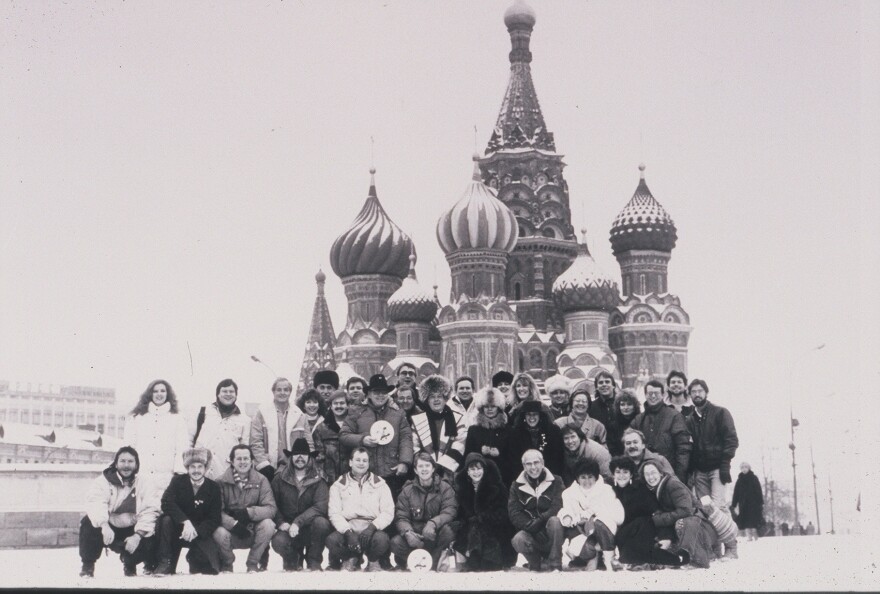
(643, 224)
(373, 244)
(478, 221)
(583, 286)
(411, 303)
(519, 15)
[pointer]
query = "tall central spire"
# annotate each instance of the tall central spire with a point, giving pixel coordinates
(520, 122)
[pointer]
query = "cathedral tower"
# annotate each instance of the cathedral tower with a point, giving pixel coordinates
(319, 347)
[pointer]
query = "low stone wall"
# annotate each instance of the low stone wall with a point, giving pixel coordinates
(39, 529)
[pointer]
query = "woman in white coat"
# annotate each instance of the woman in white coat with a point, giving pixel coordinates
(158, 432)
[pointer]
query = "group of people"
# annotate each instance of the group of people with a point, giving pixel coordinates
(437, 474)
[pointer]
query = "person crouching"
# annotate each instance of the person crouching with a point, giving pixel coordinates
(360, 508)
(425, 508)
(121, 514)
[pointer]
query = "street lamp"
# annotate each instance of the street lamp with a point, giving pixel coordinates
(256, 359)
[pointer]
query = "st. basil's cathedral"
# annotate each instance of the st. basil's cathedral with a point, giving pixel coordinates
(525, 295)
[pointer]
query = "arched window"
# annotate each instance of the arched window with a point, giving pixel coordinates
(517, 291)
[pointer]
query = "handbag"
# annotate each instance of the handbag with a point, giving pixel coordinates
(451, 561)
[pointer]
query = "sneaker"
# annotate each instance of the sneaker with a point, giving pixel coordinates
(88, 570)
(374, 566)
(129, 570)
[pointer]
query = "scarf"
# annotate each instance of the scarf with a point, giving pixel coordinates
(653, 409)
(448, 421)
(226, 411)
(240, 480)
(537, 481)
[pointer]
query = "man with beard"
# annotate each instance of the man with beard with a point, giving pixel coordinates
(635, 450)
(192, 505)
(221, 426)
(559, 389)
(714, 445)
(271, 428)
(248, 509)
(325, 382)
(463, 399)
(121, 514)
(302, 497)
(602, 400)
(535, 499)
(664, 430)
(676, 383)
(440, 430)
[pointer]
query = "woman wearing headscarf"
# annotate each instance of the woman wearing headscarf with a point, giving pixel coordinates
(490, 434)
(484, 531)
(578, 447)
(157, 431)
(626, 407)
(749, 500)
(681, 517)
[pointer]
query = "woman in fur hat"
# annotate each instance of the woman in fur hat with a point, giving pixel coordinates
(533, 429)
(489, 435)
(484, 530)
(626, 407)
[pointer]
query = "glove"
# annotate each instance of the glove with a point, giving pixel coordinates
(107, 534)
(724, 473)
(240, 515)
(241, 530)
(413, 540)
(268, 472)
(351, 541)
(365, 536)
(429, 534)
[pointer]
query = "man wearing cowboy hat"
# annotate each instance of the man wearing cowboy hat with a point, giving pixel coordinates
(301, 495)
(392, 458)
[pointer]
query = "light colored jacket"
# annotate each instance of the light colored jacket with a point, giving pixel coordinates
(264, 434)
(450, 452)
(256, 497)
(160, 439)
(599, 501)
(107, 496)
(219, 435)
(356, 503)
(590, 427)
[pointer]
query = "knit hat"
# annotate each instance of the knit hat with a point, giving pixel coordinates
(434, 384)
(474, 458)
(300, 448)
(489, 397)
(502, 377)
(326, 376)
(202, 455)
(558, 382)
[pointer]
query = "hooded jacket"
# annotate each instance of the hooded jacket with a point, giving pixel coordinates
(598, 501)
(109, 501)
(666, 434)
(356, 503)
(264, 434)
(530, 507)
(383, 458)
(256, 497)
(418, 505)
(301, 504)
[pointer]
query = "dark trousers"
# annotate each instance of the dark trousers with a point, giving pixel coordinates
(311, 538)
(401, 548)
(636, 543)
(600, 535)
(379, 546)
(203, 556)
(91, 542)
(546, 544)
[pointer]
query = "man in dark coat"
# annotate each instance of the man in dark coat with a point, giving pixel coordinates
(748, 497)
(535, 499)
(301, 495)
(664, 430)
(714, 445)
(602, 401)
(192, 505)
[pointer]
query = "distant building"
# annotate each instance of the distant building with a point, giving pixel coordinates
(52, 406)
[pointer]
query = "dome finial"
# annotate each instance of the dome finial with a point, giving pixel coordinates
(641, 170)
(319, 279)
(478, 176)
(412, 264)
(372, 193)
(519, 15)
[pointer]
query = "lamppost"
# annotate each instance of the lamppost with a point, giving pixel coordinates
(256, 359)
(815, 492)
(830, 503)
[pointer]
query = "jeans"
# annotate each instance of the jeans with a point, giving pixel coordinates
(709, 483)
(257, 542)
(543, 543)
(311, 537)
(401, 548)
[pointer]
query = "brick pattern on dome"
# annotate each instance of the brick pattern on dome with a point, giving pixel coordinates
(585, 287)
(411, 302)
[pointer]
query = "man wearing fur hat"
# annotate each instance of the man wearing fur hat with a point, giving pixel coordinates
(559, 389)
(440, 430)
(360, 508)
(535, 499)
(192, 505)
(325, 382)
(424, 512)
(302, 497)
(248, 511)
(220, 426)
(489, 436)
(121, 512)
(503, 380)
(664, 429)
(271, 428)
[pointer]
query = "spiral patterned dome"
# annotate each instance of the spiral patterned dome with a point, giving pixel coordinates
(643, 224)
(478, 221)
(373, 244)
(583, 286)
(411, 303)
(519, 14)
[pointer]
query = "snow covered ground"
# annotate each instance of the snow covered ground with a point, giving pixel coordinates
(793, 563)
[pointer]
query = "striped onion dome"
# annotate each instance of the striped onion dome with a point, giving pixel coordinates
(643, 224)
(584, 286)
(373, 244)
(411, 303)
(478, 221)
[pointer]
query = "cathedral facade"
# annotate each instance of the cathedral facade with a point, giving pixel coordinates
(525, 294)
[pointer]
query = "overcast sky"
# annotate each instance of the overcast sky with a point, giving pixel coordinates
(172, 176)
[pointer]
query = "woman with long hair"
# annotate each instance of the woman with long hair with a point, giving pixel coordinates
(158, 433)
(523, 389)
(314, 409)
(626, 407)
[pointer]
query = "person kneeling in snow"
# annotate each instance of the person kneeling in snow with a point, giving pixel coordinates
(590, 515)
(121, 515)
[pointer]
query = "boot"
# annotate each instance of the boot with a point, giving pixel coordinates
(129, 569)
(264, 561)
(163, 569)
(374, 566)
(400, 562)
(730, 551)
(293, 562)
(350, 564)
(88, 570)
(533, 562)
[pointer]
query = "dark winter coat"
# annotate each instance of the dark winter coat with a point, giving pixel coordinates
(203, 508)
(637, 501)
(383, 458)
(256, 497)
(483, 525)
(714, 437)
(615, 428)
(602, 410)
(335, 455)
(549, 444)
(418, 505)
(530, 507)
(494, 433)
(300, 505)
(666, 434)
(748, 496)
(677, 503)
